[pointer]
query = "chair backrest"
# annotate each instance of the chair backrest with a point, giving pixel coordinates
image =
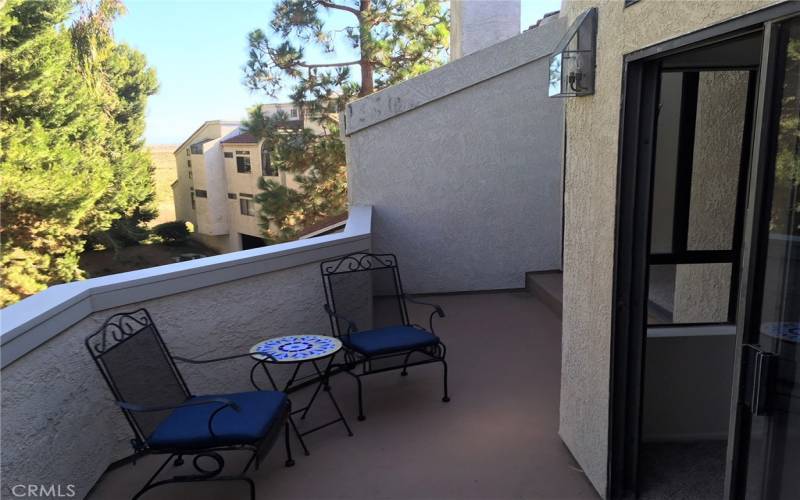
(348, 279)
(138, 368)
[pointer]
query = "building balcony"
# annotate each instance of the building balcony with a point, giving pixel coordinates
(497, 438)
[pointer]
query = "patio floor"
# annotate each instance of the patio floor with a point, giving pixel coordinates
(496, 439)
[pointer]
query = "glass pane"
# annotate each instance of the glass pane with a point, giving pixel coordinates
(775, 446)
(689, 293)
(666, 163)
(717, 157)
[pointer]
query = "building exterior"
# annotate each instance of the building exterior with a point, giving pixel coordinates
(477, 24)
(679, 247)
(663, 186)
(219, 167)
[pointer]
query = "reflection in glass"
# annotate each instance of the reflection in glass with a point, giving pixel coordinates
(774, 458)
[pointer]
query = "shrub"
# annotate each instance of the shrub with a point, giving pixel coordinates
(173, 233)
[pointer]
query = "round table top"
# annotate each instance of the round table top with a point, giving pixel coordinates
(296, 348)
(788, 331)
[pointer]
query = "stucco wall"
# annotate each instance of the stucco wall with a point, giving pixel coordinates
(60, 424)
(477, 24)
(465, 183)
(590, 201)
(215, 206)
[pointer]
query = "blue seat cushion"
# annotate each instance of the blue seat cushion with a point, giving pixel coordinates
(187, 426)
(389, 339)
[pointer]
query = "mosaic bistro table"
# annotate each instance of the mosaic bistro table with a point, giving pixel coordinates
(299, 350)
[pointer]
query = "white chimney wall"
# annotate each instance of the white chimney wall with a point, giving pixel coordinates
(477, 24)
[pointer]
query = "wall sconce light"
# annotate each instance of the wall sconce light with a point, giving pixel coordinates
(572, 64)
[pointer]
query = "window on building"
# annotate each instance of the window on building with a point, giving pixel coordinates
(267, 168)
(201, 193)
(187, 151)
(190, 174)
(694, 243)
(231, 196)
(293, 113)
(189, 163)
(228, 154)
(197, 148)
(247, 207)
(242, 164)
(191, 195)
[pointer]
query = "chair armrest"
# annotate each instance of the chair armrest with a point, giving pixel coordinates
(437, 310)
(140, 408)
(351, 326)
(226, 403)
(224, 358)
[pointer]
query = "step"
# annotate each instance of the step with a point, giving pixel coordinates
(547, 287)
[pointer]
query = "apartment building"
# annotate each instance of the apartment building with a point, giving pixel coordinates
(219, 167)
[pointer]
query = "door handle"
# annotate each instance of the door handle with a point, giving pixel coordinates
(761, 377)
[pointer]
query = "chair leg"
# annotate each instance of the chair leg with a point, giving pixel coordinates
(446, 397)
(252, 487)
(287, 433)
(405, 363)
(361, 416)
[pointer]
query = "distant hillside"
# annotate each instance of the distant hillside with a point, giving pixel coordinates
(165, 174)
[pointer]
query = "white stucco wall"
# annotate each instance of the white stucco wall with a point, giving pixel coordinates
(463, 168)
(590, 202)
(477, 24)
(59, 422)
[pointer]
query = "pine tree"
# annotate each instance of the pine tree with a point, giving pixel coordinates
(122, 82)
(65, 148)
(393, 39)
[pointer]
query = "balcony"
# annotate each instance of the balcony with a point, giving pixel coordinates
(497, 437)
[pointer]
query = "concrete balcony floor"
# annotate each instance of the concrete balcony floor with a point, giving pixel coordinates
(496, 439)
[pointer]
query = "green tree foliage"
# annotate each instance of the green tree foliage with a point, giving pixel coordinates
(393, 40)
(173, 233)
(787, 160)
(71, 154)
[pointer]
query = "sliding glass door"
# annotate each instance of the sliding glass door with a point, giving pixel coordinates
(769, 395)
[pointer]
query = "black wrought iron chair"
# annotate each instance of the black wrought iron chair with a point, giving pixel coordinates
(394, 343)
(167, 419)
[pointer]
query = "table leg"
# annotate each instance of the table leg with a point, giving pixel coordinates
(324, 381)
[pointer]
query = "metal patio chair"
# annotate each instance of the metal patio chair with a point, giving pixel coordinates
(167, 419)
(395, 344)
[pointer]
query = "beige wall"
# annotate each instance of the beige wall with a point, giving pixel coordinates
(590, 201)
(247, 183)
(242, 183)
(180, 190)
(206, 219)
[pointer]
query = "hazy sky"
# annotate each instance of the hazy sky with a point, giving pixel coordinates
(198, 48)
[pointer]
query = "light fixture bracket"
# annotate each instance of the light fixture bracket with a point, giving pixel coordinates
(572, 64)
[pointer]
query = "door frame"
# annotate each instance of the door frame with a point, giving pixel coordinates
(632, 235)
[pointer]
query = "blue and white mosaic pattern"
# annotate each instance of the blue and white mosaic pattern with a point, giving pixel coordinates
(296, 348)
(789, 332)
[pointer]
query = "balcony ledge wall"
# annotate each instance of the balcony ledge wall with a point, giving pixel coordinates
(60, 425)
(463, 167)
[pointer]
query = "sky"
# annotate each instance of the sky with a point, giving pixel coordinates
(198, 48)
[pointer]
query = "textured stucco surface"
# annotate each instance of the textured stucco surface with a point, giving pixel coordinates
(477, 24)
(455, 76)
(60, 424)
(590, 202)
(466, 189)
